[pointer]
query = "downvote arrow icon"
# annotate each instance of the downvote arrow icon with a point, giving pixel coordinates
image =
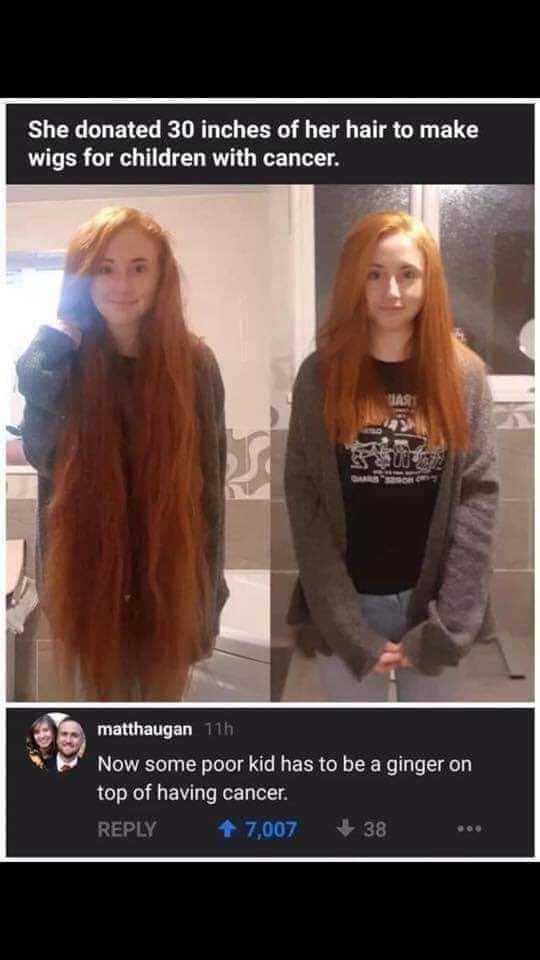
(228, 828)
(345, 829)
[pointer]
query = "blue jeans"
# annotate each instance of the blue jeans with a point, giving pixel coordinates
(387, 615)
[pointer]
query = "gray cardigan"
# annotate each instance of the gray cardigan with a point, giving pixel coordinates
(449, 608)
(43, 370)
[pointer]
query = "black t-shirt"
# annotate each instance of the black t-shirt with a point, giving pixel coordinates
(389, 481)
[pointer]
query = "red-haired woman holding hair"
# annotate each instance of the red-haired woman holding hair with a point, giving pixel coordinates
(391, 476)
(124, 422)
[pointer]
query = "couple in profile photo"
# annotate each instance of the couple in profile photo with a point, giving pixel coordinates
(56, 743)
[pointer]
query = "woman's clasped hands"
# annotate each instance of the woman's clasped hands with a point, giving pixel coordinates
(393, 656)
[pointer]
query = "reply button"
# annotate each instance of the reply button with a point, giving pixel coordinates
(122, 829)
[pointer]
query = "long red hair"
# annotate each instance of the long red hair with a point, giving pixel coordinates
(126, 581)
(354, 395)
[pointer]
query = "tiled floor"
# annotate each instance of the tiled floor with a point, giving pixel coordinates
(295, 678)
(225, 677)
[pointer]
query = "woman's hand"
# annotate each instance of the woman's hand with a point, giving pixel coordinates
(389, 659)
(71, 329)
(75, 303)
(392, 656)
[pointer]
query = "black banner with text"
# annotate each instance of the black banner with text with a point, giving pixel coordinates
(269, 143)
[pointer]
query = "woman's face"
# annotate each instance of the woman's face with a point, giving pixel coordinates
(43, 736)
(125, 284)
(395, 286)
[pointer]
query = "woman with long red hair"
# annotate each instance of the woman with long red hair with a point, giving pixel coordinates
(391, 476)
(124, 422)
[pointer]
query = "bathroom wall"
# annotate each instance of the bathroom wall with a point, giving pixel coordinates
(226, 248)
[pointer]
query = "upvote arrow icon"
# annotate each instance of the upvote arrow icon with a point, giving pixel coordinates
(345, 829)
(228, 828)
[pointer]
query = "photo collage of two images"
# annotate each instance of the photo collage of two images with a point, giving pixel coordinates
(270, 443)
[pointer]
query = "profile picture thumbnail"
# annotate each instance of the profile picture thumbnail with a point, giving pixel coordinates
(56, 743)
